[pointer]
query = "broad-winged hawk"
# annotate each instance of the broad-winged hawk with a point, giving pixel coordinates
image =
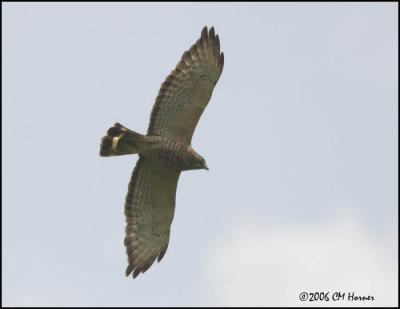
(165, 151)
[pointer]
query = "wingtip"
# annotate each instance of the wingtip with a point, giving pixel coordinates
(129, 270)
(217, 39)
(162, 253)
(204, 33)
(211, 38)
(212, 31)
(133, 273)
(221, 60)
(136, 272)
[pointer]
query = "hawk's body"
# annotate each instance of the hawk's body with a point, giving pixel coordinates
(165, 151)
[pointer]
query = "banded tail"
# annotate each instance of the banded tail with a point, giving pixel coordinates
(120, 141)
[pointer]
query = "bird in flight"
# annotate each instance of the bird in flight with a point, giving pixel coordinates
(165, 151)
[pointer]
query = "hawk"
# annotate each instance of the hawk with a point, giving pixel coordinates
(165, 151)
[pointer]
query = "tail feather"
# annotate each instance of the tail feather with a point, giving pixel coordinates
(120, 141)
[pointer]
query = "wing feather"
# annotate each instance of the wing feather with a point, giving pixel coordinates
(149, 210)
(185, 93)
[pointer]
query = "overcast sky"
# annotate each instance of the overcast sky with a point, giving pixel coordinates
(300, 137)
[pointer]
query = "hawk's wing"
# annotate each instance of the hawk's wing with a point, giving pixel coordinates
(186, 91)
(149, 210)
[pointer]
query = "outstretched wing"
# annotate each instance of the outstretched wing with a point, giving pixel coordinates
(149, 210)
(185, 93)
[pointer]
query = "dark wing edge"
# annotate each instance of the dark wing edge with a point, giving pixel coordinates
(206, 49)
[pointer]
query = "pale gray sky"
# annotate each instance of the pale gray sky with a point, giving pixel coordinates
(300, 137)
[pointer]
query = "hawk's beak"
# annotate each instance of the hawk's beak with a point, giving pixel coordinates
(205, 167)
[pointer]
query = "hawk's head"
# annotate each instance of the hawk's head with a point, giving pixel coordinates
(196, 161)
(201, 164)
